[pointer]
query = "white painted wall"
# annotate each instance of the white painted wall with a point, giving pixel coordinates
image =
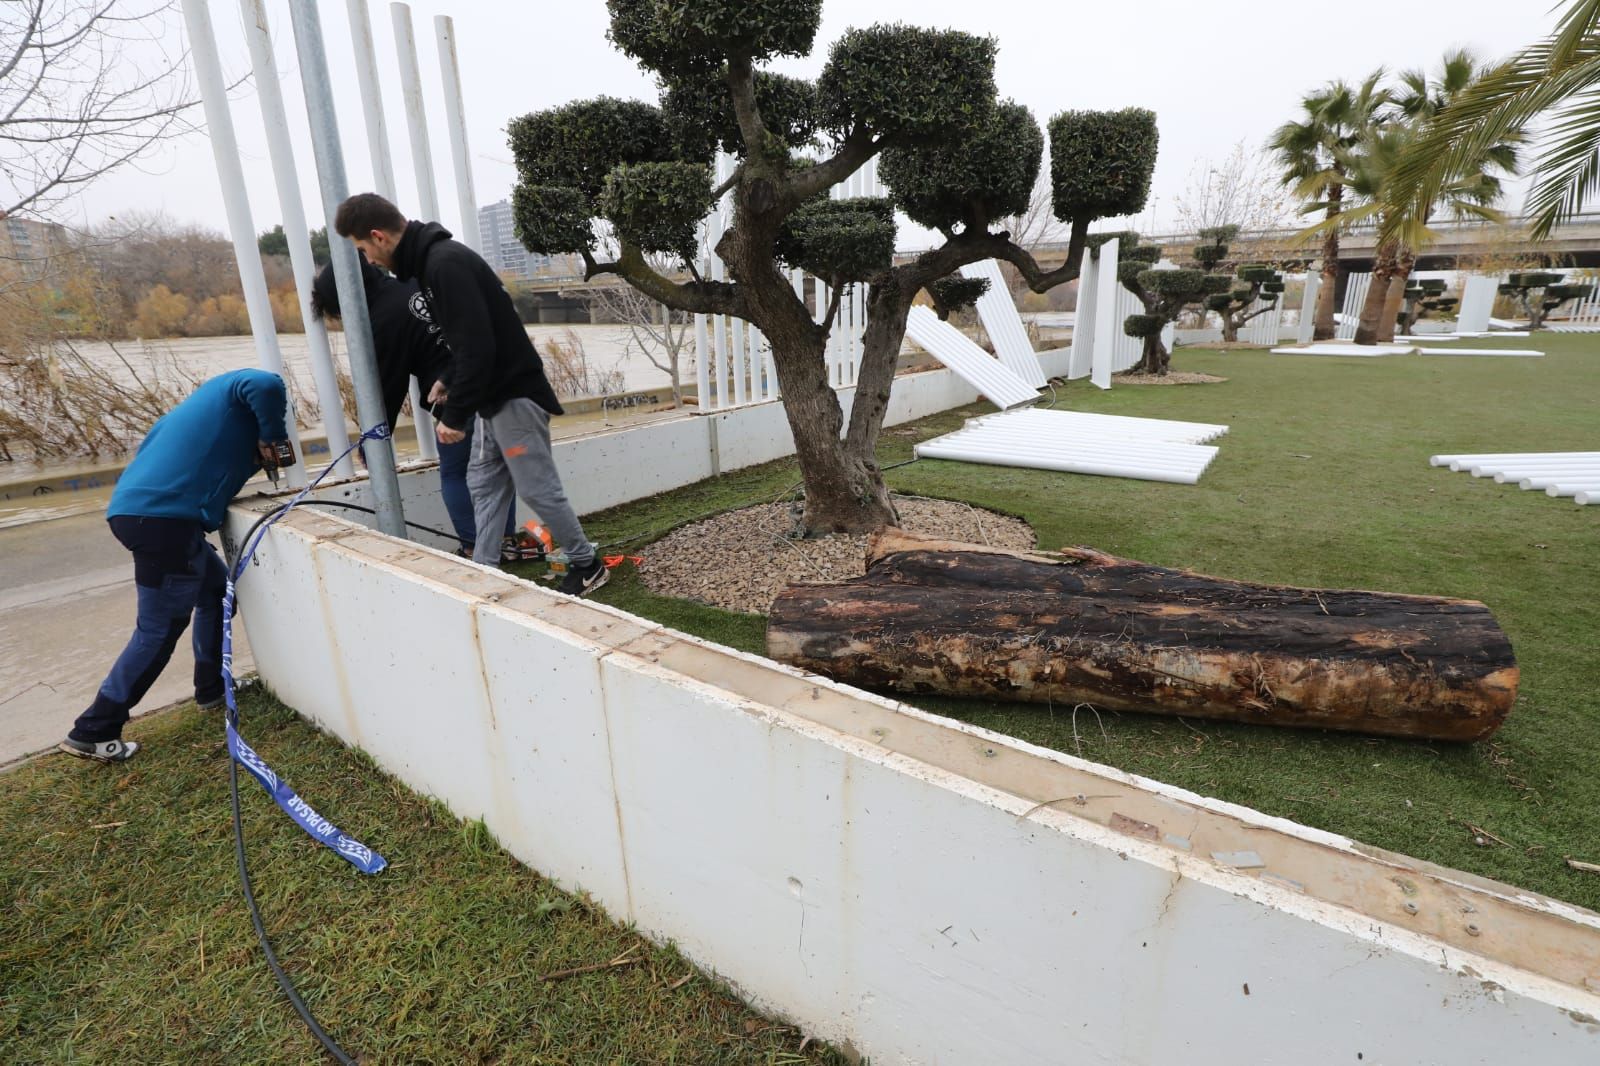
(888, 880)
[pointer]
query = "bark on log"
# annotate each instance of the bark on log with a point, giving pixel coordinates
(1079, 627)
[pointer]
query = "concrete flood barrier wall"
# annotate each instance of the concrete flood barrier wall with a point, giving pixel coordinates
(909, 887)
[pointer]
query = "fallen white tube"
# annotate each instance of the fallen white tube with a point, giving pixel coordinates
(1471, 457)
(1572, 488)
(1583, 499)
(997, 457)
(1545, 480)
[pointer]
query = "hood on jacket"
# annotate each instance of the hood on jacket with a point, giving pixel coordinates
(412, 251)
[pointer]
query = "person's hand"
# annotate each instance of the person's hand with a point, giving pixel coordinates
(447, 435)
(268, 457)
(438, 394)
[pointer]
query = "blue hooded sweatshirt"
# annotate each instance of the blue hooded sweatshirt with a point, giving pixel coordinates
(196, 458)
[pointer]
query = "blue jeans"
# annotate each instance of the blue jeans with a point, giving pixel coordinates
(453, 461)
(176, 574)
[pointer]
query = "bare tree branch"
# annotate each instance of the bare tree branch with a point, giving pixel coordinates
(89, 86)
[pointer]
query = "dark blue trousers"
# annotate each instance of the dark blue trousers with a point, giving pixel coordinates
(177, 574)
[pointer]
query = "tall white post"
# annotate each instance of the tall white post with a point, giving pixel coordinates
(1083, 335)
(455, 120)
(1308, 307)
(1106, 324)
(405, 43)
(276, 119)
(230, 173)
(335, 186)
(383, 172)
(371, 98)
(702, 361)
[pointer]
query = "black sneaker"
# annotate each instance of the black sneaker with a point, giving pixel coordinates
(582, 580)
(105, 751)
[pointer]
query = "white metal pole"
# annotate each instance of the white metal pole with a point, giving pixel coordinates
(276, 119)
(455, 120)
(230, 173)
(702, 359)
(371, 98)
(318, 87)
(383, 173)
(405, 43)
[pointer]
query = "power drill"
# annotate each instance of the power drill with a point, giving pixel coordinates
(282, 455)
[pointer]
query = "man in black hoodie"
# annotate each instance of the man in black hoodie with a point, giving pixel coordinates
(408, 344)
(494, 374)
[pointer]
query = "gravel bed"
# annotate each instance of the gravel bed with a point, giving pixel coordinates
(740, 560)
(1171, 377)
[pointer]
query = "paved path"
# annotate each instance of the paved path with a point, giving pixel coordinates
(66, 610)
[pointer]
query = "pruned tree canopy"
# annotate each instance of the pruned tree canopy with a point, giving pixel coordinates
(902, 82)
(693, 36)
(954, 292)
(1101, 162)
(839, 241)
(700, 115)
(970, 180)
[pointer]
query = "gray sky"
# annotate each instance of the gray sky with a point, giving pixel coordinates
(1212, 78)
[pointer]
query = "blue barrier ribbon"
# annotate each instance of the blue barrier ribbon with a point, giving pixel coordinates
(319, 828)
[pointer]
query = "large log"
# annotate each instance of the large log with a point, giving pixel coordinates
(1079, 627)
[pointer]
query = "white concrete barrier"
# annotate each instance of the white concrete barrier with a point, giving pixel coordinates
(601, 470)
(909, 887)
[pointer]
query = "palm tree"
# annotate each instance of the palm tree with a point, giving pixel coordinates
(1312, 152)
(1419, 101)
(1558, 77)
(1372, 163)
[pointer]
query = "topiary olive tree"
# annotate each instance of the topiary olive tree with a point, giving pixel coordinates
(1540, 293)
(1165, 295)
(1254, 281)
(954, 156)
(1421, 298)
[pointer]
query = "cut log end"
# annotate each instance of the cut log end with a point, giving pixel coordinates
(1079, 626)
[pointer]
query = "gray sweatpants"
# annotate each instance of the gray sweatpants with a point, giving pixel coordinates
(511, 457)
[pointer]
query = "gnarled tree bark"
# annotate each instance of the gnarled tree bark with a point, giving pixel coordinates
(1080, 627)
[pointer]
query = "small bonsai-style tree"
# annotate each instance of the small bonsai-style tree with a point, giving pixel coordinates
(1541, 293)
(1165, 296)
(1213, 247)
(1421, 299)
(1236, 307)
(955, 157)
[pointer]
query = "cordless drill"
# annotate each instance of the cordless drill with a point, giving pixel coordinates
(282, 454)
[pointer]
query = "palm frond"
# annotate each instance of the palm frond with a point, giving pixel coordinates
(1569, 167)
(1581, 22)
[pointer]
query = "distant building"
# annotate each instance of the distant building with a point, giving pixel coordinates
(24, 240)
(507, 255)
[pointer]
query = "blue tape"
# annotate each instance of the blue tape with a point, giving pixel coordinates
(305, 816)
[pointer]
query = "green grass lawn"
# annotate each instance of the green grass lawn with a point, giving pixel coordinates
(1323, 480)
(124, 938)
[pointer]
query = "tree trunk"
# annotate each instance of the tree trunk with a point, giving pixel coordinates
(844, 490)
(1085, 628)
(1230, 328)
(1378, 294)
(1324, 328)
(1395, 301)
(1156, 360)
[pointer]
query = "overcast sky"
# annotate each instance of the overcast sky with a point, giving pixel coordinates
(1213, 77)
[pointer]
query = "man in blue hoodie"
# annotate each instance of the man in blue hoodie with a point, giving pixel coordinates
(176, 490)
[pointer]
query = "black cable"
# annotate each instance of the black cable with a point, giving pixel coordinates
(283, 979)
(368, 510)
(261, 930)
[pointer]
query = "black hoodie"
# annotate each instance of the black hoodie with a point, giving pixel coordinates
(492, 360)
(406, 340)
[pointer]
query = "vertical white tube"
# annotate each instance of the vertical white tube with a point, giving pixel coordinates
(230, 173)
(383, 172)
(455, 115)
(335, 186)
(741, 369)
(276, 119)
(405, 43)
(371, 98)
(702, 363)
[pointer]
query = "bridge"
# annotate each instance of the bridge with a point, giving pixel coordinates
(1460, 245)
